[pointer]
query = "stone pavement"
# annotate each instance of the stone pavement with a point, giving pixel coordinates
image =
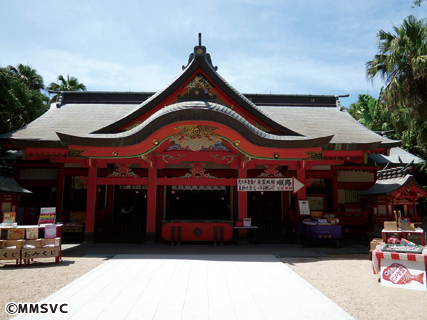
(192, 286)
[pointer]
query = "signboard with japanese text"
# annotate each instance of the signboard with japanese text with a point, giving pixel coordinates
(7, 254)
(47, 215)
(265, 184)
(40, 253)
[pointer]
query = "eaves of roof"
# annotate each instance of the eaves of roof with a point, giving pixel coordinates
(193, 111)
(386, 187)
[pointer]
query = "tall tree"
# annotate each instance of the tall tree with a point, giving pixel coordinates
(375, 115)
(27, 76)
(69, 84)
(21, 97)
(402, 61)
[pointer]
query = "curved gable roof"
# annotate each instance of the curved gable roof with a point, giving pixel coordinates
(193, 111)
(198, 60)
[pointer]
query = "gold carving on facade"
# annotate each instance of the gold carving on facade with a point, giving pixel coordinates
(170, 157)
(133, 125)
(314, 155)
(262, 128)
(276, 155)
(74, 153)
(224, 158)
(196, 130)
(237, 143)
(195, 143)
(270, 172)
(115, 153)
(198, 172)
(199, 82)
(123, 171)
(156, 142)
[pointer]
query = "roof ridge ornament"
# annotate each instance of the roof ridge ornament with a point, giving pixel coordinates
(200, 51)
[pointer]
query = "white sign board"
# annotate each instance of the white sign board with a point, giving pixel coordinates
(265, 184)
(403, 274)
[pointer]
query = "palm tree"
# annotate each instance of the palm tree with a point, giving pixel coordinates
(28, 76)
(69, 84)
(402, 62)
(21, 99)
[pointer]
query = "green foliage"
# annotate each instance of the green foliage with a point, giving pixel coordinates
(21, 97)
(402, 62)
(417, 3)
(372, 113)
(375, 115)
(69, 84)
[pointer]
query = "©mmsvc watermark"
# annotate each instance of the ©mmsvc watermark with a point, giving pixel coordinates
(13, 308)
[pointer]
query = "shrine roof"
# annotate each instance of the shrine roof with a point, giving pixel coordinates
(98, 117)
(8, 183)
(397, 156)
(194, 110)
(312, 121)
(75, 119)
(387, 186)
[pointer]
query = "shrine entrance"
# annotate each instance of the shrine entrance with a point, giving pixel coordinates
(128, 222)
(198, 203)
(266, 211)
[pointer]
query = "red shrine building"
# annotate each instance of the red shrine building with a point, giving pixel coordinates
(132, 166)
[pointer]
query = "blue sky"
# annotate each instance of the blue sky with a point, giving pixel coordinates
(280, 47)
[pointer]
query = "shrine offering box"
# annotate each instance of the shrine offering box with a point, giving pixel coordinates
(390, 225)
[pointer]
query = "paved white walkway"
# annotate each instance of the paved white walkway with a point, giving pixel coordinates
(192, 287)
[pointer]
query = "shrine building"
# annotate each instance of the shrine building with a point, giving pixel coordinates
(130, 166)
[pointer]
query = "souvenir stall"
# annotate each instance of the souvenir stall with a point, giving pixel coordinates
(26, 243)
(318, 226)
(400, 257)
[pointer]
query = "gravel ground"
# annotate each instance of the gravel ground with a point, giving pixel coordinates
(350, 282)
(346, 280)
(39, 280)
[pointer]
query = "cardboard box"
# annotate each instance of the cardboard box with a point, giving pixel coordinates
(376, 242)
(390, 225)
(316, 214)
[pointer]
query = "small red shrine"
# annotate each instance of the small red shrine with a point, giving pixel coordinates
(394, 191)
(142, 161)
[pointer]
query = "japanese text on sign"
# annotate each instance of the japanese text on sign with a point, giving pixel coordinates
(261, 184)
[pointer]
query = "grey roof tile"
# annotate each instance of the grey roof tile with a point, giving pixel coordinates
(322, 121)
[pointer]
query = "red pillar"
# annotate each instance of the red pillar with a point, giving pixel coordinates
(92, 191)
(151, 201)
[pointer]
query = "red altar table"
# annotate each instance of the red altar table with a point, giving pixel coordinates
(182, 230)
